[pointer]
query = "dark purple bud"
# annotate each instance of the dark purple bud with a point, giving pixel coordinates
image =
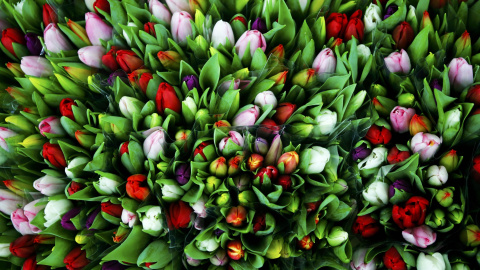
(182, 173)
(259, 25)
(33, 44)
(66, 219)
(399, 184)
(119, 73)
(113, 265)
(191, 81)
(361, 152)
(437, 84)
(218, 232)
(390, 10)
(91, 217)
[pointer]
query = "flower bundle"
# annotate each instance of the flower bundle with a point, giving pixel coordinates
(238, 134)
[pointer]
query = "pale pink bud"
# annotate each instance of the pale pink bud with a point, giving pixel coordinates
(30, 210)
(9, 201)
(129, 218)
(49, 185)
(325, 63)
(236, 138)
(400, 118)
(181, 27)
(155, 143)
(21, 223)
(247, 116)
(4, 134)
(425, 144)
(97, 29)
(54, 40)
(51, 125)
(92, 56)
(398, 62)
(36, 66)
(179, 5)
(159, 11)
(252, 37)
(266, 98)
(421, 236)
(460, 73)
(222, 31)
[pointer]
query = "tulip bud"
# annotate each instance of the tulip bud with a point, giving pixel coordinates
(179, 5)
(235, 250)
(372, 17)
(166, 98)
(421, 236)
(325, 63)
(398, 62)
(128, 218)
(450, 161)
(246, 116)
(396, 156)
(91, 56)
(55, 41)
(401, 190)
(463, 46)
(51, 125)
(222, 34)
(155, 143)
(358, 260)
(254, 162)
(151, 220)
(254, 38)
(305, 243)
(49, 185)
(218, 167)
(364, 54)
(445, 197)
(403, 35)
(137, 187)
(128, 60)
(170, 59)
(15, 69)
(49, 15)
(326, 122)
(460, 73)
(36, 66)
(400, 118)
(390, 10)
(130, 106)
(288, 162)
(354, 27)
(192, 82)
(425, 144)
(419, 124)
(108, 183)
(266, 98)
(470, 236)
(437, 175)
(433, 262)
(171, 191)
(231, 144)
(181, 27)
(212, 183)
(54, 155)
(33, 44)
(366, 226)
(236, 216)
(261, 146)
(337, 236)
(55, 209)
(12, 36)
(305, 78)
(336, 24)
(283, 112)
(376, 193)
(96, 29)
(274, 152)
(378, 135)
(76, 258)
(182, 173)
(159, 11)
(361, 151)
(204, 152)
(24, 246)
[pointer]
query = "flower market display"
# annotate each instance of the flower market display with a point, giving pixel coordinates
(249, 134)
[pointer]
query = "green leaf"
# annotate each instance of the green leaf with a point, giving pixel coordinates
(418, 50)
(210, 73)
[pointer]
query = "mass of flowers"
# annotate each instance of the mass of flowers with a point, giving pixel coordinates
(247, 134)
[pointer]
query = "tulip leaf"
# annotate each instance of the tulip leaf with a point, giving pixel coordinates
(210, 73)
(62, 248)
(417, 51)
(130, 249)
(286, 35)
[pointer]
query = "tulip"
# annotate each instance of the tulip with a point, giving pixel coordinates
(246, 116)
(419, 124)
(130, 106)
(33, 44)
(159, 11)
(358, 261)
(314, 160)
(337, 236)
(36, 66)
(232, 143)
(80, 31)
(269, 171)
(376, 193)
(366, 226)
(171, 191)
(325, 63)
(261, 146)
(391, 9)
(30, 210)
(450, 161)
(470, 236)
(49, 15)
(444, 197)
(30, 263)
(283, 112)
(266, 98)
(361, 152)
(66, 220)
(154, 145)
(396, 156)
(220, 258)
(49, 185)
(51, 125)
(336, 25)
(182, 173)
(91, 56)
(23, 247)
(5, 133)
(305, 243)
(137, 187)
(22, 224)
(254, 162)
(75, 187)
(128, 60)
(55, 209)
(288, 162)
(421, 236)
(179, 5)
(222, 34)
(170, 59)
(149, 27)
(437, 175)
(393, 260)
(15, 69)
(204, 152)
(179, 214)
(166, 98)
(364, 54)
(460, 73)
(128, 218)
(10, 36)
(181, 27)
(218, 167)
(253, 38)
(354, 27)
(236, 216)
(66, 108)
(103, 5)
(274, 152)
(372, 17)
(76, 259)
(235, 250)
(208, 245)
(108, 183)
(378, 135)
(403, 35)
(412, 215)
(109, 59)
(259, 25)
(326, 122)
(432, 262)
(192, 82)
(398, 62)
(151, 220)
(91, 217)
(463, 45)
(399, 186)
(199, 207)
(54, 155)
(425, 144)
(96, 29)
(473, 95)
(55, 41)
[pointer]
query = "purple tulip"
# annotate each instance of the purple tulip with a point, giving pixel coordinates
(400, 118)
(182, 173)
(218, 232)
(66, 219)
(399, 184)
(33, 44)
(361, 152)
(191, 81)
(398, 62)
(91, 217)
(97, 29)
(113, 265)
(437, 84)
(252, 37)
(261, 146)
(259, 25)
(390, 11)
(119, 73)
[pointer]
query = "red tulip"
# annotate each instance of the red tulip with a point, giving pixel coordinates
(403, 35)
(31, 264)
(412, 215)
(354, 27)
(475, 172)
(140, 79)
(278, 51)
(396, 156)
(290, 162)
(393, 260)
(235, 250)
(473, 95)
(283, 112)
(336, 24)
(128, 60)
(378, 135)
(102, 5)
(236, 216)
(366, 226)
(240, 19)
(179, 215)
(24, 246)
(167, 99)
(306, 243)
(112, 209)
(437, 3)
(75, 187)
(254, 162)
(109, 59)
(285, 181)
(269, 171)
(259, 223)
(66, 108)
(137, 187)
(10, 36)
(199, 150)
(312, 206)
(124, 148)
(268, 127)
(49, 15)
(149, 27)
(76, 259)
(53, 153)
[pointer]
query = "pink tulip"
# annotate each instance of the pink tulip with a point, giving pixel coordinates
(400, 118)
(9, 201)
(252, 37)
(236, 138)
(181, 27)
(4, 134)
(49, 185)
(425, 144)
(266, 98)
(325, 63)
(460, 73)
(159, 11)
(55, 41)
(22, 224)
(246, 116)
(421, 236)
(97, 29)
(30, 210)
(358, 261)
(398, 62)
(179, 6)
(129, 218)
(36, 66)
(51, 125)
(92, 56)
(155, 143)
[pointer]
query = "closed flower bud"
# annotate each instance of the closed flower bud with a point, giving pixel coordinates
(22, 224)
(288, 162)
(182, 173)
(463, 45)
(55, 209)
(254, 162)
(170, 59)
(364, 54)
(376, 194)
(283, 112)
(398, 62)
(48, 15)
(337, 236)
(432, 262)
(159, 11)
(55, 41)
(235, 250)
(192, 82)
(232, 143)
(450, 161)
(49, 185)
(325, 63)
(12, 36)
(403, 35)
(236, 216)
(36, 66)
(326, 122)
(314, 160)
(358, 260)
(76, 259)
(437, 175)
(252, 37)
(390, 10)
(393, 260)
(360, 152)
(419, 124)
(266, 98)
(171, 191)
(470, 236)
(208, 245)
(92, 56)
(212, 184)
(137, 187)
(336, 24)
(305, 78)
(166, 98)
(179, 215)
(274, 152)
(128, 60)
(425, 144)
(261, 146)
(269, 171)
(396, 156)
(128, 218)
(151, 220)
(54, 155)
(108, 183)
(378, 135)
(354, 27)
(24, 246)
(366, 226)
(222, 34)
(305, 243)
(181, 27)
(473, 95)
(204, 152)
(445, 197)
(179, 5)
(75, 167)
(15, 69)
(460, 73)
(372, 17)
(246, 116)
(97, 29)
(33, 44)
(218, 167)
(401, 190)
(421, 236)
(130, 106)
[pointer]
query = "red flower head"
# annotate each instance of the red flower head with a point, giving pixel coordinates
(268, 127)
(124, 148)
(167, 99)
(412, 215)
(354, 27)
(49, 15)
(12, 35)
(259, 223)
(403, 35)
(283, 112)
(24, 246)
(269, 171)
(473, 94)
(128, 60)
(76, 259)
(31, 264)
(235, 250)
(66, 108)
(75, 187)
(140, 79)
(179, 215)
(366, 226)
(306, 243)
(393, 260)
(285, 181)
(137, 187)
(109, 59)
(114, 210)
(53, 153)
(336, 25)
(396, 156)
(149, 27)
(199, 150)
(102, 5)
(236, 216)
(254, 162)
(475, 172)
(378, 135)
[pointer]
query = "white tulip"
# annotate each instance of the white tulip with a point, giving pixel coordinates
(326, 122)
(431, 262)
(374, 160)
(376, 193)
(55, 209)
(315, 159)
(437, 175)
(372, 17)
(222, 32)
